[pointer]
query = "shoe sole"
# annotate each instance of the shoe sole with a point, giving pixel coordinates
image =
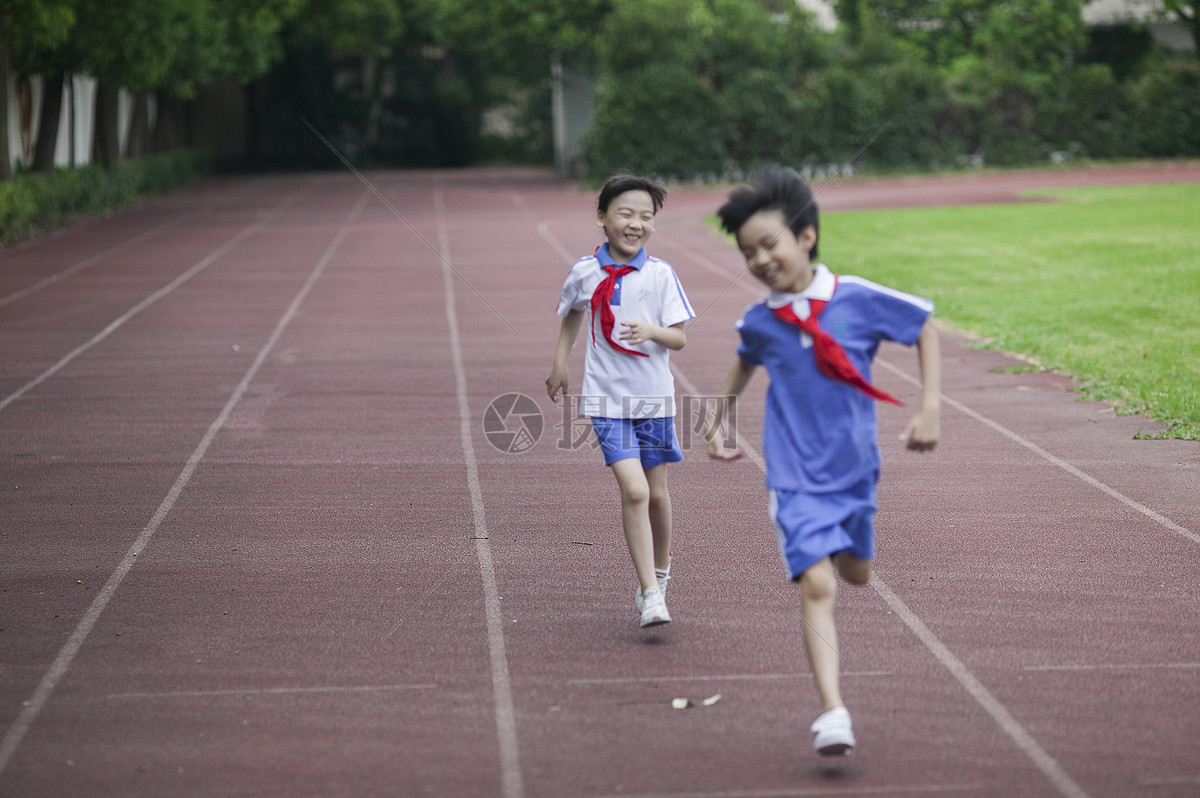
(656, 621)
(836, 749)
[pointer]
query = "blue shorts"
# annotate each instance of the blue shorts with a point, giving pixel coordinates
(652, 440)
(813, 526)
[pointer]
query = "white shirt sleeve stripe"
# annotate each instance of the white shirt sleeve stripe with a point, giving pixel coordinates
(920, 302)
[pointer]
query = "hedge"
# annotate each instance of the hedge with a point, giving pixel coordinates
(900, 115)
(34, 203)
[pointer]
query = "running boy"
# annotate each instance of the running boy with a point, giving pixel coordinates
(628, 390)
(817, 333)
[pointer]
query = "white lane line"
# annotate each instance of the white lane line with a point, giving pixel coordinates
(731, 677)
(94, 259)
(1003, 718)
(1169, 782)
(150, 300)
(813, 792)
(1148, 666)
(269, 691)
(1023, 740)
(1158, 518)
(66, 655)
(506, 722)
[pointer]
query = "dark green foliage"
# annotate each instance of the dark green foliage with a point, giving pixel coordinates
(717, 87)
(33, 203)
(1092, 117)
(1166, 110)
(1124, 48)
(768, 121)
(638, 128)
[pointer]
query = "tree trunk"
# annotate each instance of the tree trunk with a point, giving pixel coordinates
(6, 171)
(1194, 20)
(139, 127)
(72, 122)
(254, 92)
(166, 128)
(47, 137)
(106, 146)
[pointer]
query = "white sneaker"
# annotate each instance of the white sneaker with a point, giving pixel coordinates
(832, 733)
(654, 608)
(663, 577)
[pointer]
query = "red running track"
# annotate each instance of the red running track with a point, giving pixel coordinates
(256, 542)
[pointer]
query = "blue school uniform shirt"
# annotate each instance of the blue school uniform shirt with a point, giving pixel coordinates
(819, 434)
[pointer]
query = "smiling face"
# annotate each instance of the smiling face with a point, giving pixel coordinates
(627, 224)
(774, 254)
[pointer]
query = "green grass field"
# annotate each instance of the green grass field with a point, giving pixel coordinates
(1101, 284)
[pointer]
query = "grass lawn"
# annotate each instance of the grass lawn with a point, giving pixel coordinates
(1102, 284)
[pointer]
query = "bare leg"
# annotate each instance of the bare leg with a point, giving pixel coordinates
(818, 588)
(854, 570)
(660, 515)
(635, 518)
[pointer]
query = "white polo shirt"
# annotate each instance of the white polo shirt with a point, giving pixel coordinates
(617, 385)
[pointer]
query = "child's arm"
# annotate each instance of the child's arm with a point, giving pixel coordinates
(673, 337)
(737, 378)
(559, 377)
(921, 434)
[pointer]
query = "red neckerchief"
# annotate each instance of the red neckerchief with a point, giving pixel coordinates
(601, 299)
(831, 358)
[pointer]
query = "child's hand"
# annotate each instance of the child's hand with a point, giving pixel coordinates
(637, 332)
(557, 381)
(921, 434)
(717, 449)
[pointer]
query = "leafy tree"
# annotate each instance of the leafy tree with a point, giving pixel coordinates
(239, 39)
(635, 129)
(504, 54)
(1030, 35)
(716, 39)
(1041, 36)
(692, 88)
(170, 46)
(30, 33)
(1007, 66)
(129, 44)
(329, 75)
(1167, 109)
(520, 38)
(339, 26)
(227, 38)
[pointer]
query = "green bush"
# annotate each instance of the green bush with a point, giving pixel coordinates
(717, 87)
(636, 129)
(884, 115)
(1166, 110)
(1092, 117)
(767, 120)
(33, 203)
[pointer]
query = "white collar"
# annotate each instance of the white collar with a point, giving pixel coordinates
(820, 287)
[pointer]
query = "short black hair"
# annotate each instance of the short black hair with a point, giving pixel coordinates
(617, 185)
(773, 187)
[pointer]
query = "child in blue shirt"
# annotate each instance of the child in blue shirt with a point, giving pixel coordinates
(636, 310)
(816, 334)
